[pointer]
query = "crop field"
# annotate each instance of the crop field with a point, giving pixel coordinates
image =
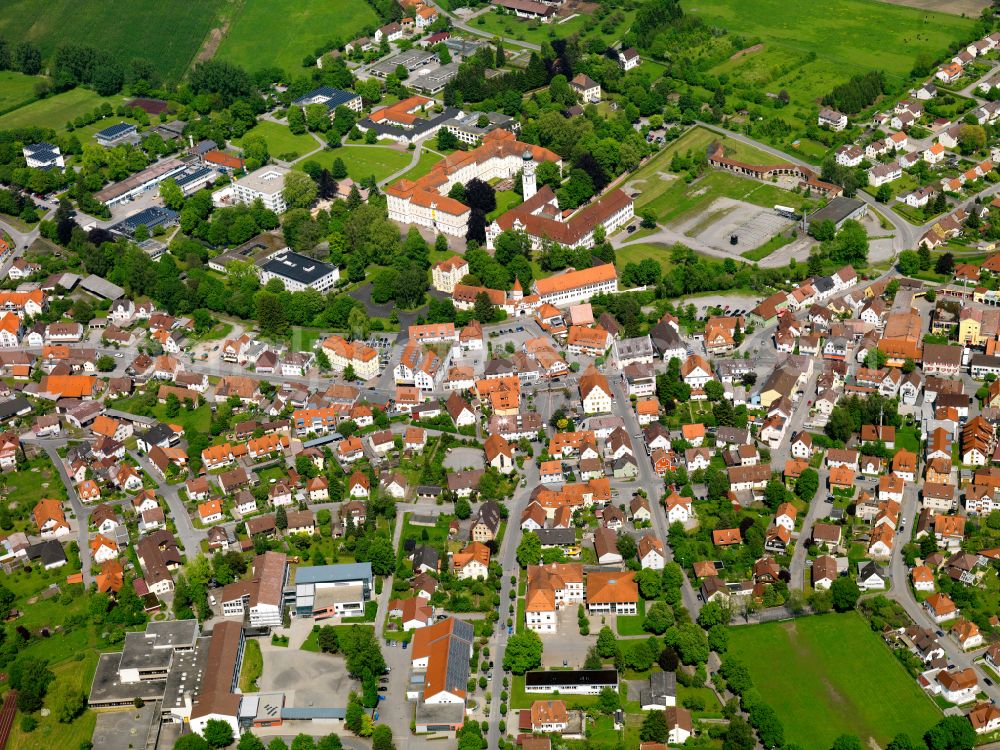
(55, 111)
(168, 33)
(815, 46)
(289, 31)
(834, 667)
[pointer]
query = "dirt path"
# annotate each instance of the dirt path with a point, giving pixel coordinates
(748, 51)
(971, 8)
(212, 42)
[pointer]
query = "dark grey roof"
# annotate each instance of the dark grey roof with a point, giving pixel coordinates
(489, 514)
(157, 434)
(665, 338)
(49, 552)
(328, 95)
(300, 268)
(836, 210)
(580, 677)
(556, 537)
(149, 217)
(115, 131)
(14, 407)
(424, 555)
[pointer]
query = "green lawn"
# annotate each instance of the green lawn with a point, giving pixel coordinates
(366, 161)
(282, 33)
(55, 111)
(642, 250)
(426, 163)
(820, 45)
(632, 624)
(196, 420)
(506, 200)
(675, 200)
(281, 142)
(16, 89)
(253, 666)
(834, 667)
(511, 27)
(51, 732)
(767, 248)
(168, 33)
(698, 139)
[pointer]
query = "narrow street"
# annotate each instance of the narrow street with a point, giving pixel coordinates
(508, 563)
(190, 537)
(651, 483)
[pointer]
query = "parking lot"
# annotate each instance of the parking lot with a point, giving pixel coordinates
(307, 678)
(752, 226)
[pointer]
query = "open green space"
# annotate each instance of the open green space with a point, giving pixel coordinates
(673, 200)
(632, 624)
(193, 420)
(506, 200)
(698, 139)
(427, 161)
(50, 732)
(16, 89)
(366, 161)
(168, 33)
(834, 667)
(55, 111)
(820, 45)
(282, 142)
(266, 33)
(759, 253)
(536, 32)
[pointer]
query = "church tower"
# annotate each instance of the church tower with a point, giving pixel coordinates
(528, 186)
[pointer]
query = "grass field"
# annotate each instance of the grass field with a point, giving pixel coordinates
(365, 161)
(50, 731)
(168, 33)
(16, 90)
(290, 31)
(536, 32)
(834, 667)
(673, 200)
(846, 37)
(281, 141)
(55, 111)
(698, 139)
(424, 165)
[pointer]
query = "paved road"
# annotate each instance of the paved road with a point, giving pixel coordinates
(81, 511)
(650, 482)
(508, 563)
(190, 536)
(902, 592)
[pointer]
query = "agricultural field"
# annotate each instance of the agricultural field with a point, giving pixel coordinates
(168, 33)
(303, 26)
(833, 666)
(818, 46)
(365, 161)
(55, 111)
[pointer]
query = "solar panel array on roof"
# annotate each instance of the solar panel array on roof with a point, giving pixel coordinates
(115, 131)
(326, 95)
